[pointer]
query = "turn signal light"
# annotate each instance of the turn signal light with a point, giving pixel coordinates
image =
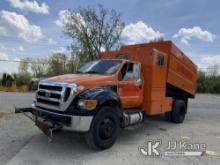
(87, 104)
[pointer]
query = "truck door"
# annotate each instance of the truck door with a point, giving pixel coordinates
(130, 87)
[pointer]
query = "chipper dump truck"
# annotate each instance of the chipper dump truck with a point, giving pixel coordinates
(115, 91)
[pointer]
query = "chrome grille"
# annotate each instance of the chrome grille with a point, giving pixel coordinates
(55, 95)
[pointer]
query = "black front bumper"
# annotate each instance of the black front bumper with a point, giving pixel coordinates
(76, 123)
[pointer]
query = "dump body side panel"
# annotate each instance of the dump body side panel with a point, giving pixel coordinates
(178, 71)
(182, 72)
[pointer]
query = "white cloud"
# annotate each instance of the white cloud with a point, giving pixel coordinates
(63, 14)
(211, 60)
(32, 6)
(140, 32)
(13, 24)
(8, 49)
(3, 56)
(63, 19)
(12, 69)
(186, 34)
(3, 31)
(21, 48)
(210, 64)
(2, 47)
(59, 50)
(51, 41)
(16, 59)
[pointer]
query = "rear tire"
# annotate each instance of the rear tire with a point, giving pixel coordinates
(104, 129)
(177, 115)
(179, 111)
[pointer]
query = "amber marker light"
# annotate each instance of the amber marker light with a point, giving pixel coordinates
(87, 104)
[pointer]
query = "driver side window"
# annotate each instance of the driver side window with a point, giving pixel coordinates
(130, 71)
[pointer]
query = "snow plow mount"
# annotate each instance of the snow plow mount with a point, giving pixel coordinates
(47, 127)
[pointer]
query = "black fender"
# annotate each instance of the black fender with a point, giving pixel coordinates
(105, 96)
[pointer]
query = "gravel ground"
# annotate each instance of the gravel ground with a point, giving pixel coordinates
(22, 143)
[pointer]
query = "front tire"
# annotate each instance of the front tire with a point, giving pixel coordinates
(104, 129)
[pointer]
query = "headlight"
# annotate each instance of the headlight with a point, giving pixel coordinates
(87, 104)
(80, 87)
(74, 87)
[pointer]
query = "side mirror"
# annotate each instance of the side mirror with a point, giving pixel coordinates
(138, 82)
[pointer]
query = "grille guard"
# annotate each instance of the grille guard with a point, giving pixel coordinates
(49, 102)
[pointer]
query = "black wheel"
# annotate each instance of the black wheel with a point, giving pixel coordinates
(104, 129)
(179, 111)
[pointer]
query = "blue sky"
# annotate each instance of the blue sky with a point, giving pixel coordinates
(28, 27)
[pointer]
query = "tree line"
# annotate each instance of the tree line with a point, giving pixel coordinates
(30, 70)
(208, 83)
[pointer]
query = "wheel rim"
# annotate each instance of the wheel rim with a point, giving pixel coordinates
(106, 128)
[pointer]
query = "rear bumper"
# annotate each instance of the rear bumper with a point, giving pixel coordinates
(68, 122)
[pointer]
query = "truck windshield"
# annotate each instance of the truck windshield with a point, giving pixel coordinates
(104, 67)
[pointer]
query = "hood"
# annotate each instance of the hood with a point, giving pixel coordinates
(87, 80)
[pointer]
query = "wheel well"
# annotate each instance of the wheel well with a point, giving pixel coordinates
(172, 91)
(113, 104)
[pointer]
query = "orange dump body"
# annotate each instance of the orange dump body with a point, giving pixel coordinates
(164, 78)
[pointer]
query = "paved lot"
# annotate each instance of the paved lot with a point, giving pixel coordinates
(22, 143)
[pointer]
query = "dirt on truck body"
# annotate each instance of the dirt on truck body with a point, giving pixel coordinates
(117, 91)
